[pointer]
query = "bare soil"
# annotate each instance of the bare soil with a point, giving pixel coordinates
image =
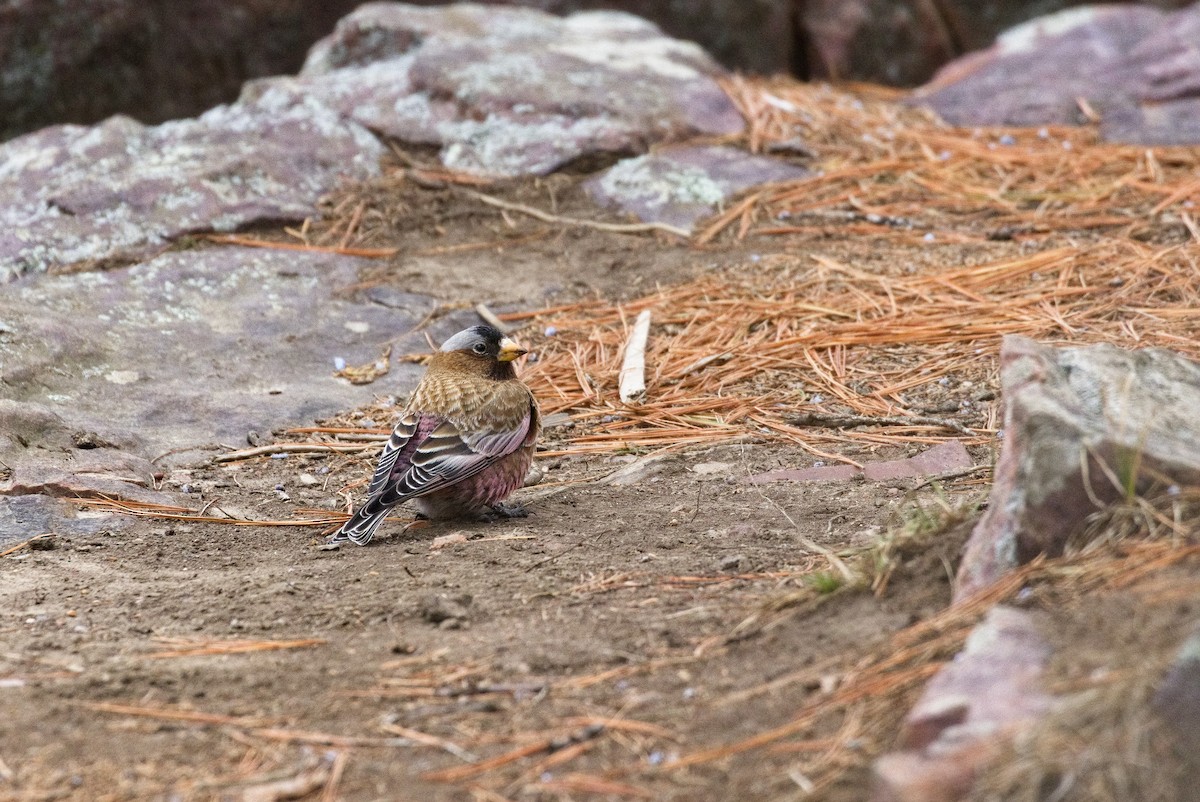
(658, 607)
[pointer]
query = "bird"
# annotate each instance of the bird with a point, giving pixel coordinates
(464, 441)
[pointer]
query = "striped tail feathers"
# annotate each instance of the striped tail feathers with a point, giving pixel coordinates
(362, 525)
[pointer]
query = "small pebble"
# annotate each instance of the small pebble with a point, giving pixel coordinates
(731, 563)
(339, 363)
(1008, 139)
(450, 539)
(551, 331)
(929, 236)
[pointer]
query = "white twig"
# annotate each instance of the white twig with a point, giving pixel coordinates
(632, 383)
(490, 318)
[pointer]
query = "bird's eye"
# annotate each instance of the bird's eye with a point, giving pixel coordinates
(479, 348)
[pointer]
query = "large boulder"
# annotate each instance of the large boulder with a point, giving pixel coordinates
(1142, 76)
(120, 190)
(511, 91)
(1084, 427)
(191, 349)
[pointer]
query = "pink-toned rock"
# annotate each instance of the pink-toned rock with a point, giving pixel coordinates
(42, 453)
(1142, 76)
(971, 708)
(949, 456)
(85, 474)
(943, 457)
(1083, 427)
(513, 91)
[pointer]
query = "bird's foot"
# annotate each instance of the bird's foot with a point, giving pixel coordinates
(498, 512)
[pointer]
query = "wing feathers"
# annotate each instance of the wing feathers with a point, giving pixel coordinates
(426, 453)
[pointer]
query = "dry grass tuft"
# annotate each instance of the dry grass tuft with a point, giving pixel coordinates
(1102, 745)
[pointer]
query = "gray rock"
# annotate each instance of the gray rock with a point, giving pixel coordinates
(191, 348)
(42, 453)
(511, 91)
(1083, 426)
(1142, 76)
(23, 517)
(989, 694)
(120, 189)
(682, 184)
(1178, 699)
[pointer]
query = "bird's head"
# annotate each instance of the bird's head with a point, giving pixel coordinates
(483, 349)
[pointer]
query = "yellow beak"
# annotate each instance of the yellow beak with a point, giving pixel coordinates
(509, 350)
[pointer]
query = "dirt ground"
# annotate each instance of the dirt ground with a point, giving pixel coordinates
(596, 649)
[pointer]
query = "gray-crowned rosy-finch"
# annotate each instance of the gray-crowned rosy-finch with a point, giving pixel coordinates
(464, 442)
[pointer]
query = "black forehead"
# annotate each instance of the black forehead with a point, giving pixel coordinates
(468, 339)
(486, 333)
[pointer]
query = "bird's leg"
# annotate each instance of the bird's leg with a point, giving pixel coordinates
(506, 511)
